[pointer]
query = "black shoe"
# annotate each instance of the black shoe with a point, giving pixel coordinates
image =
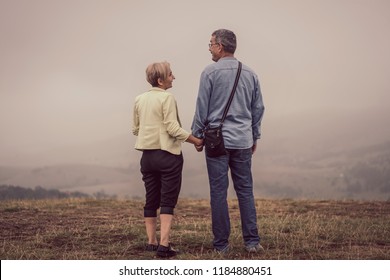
(165, 252)
(151, 248)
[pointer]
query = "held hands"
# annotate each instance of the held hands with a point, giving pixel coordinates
(199, 148)
(199, 145)
(198, 142)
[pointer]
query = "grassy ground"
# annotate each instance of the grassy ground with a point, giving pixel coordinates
(114, 229)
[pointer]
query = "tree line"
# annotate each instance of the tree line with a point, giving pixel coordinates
(9, 192)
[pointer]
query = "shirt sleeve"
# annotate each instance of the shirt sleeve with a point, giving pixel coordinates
(135, 127)
(257, 111)
(202, 106)
(171, 119)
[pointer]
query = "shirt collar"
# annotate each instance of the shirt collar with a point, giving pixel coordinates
(228, 58)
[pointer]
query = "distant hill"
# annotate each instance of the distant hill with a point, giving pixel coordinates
(84, 178)
(327, 157)
(19, 193)
(360, 173)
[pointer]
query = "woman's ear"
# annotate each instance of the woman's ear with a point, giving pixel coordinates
(160, 82)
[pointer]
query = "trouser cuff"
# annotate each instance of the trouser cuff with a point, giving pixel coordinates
(166, 210)
(150, 213)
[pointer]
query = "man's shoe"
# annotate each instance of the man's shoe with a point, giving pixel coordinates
(151, 248)
(254, 249)
(165, 252)
(222, 251)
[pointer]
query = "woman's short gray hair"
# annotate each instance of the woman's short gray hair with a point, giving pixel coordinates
(226, 38)
(157, 70)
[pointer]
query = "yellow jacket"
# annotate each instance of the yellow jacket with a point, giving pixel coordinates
(156, 122)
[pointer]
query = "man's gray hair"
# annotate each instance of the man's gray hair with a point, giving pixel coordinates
(227, 39)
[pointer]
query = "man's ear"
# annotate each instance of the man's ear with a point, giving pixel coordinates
(220, 48)
(160, 82)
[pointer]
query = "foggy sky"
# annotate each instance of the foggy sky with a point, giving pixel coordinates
(70, 70)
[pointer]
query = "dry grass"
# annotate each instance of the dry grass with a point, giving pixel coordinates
(114, 229)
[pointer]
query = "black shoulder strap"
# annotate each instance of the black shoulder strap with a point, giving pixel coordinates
(232, 93)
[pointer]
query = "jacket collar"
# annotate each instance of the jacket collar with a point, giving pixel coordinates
(156, 89)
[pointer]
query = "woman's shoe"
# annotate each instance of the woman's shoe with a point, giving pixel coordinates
(151, 248)
(166, 252)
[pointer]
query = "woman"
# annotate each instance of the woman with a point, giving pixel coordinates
(159, 136)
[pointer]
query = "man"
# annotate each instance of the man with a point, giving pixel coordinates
(241, 130)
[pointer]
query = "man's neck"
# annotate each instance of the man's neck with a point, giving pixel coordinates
(225, 54)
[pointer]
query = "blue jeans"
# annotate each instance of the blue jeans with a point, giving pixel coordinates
(240, 163)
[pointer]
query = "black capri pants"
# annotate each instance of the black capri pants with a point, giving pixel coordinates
(162, 176)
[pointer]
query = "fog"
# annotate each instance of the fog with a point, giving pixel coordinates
(70, 71)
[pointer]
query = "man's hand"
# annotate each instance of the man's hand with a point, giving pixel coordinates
(199, 148)
(254, 147)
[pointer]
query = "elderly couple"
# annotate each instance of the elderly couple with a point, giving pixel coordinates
(159, 136)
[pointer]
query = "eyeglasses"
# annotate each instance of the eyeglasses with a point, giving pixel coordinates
(213, 44)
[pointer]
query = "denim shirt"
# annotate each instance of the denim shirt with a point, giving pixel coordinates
(242, 126)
